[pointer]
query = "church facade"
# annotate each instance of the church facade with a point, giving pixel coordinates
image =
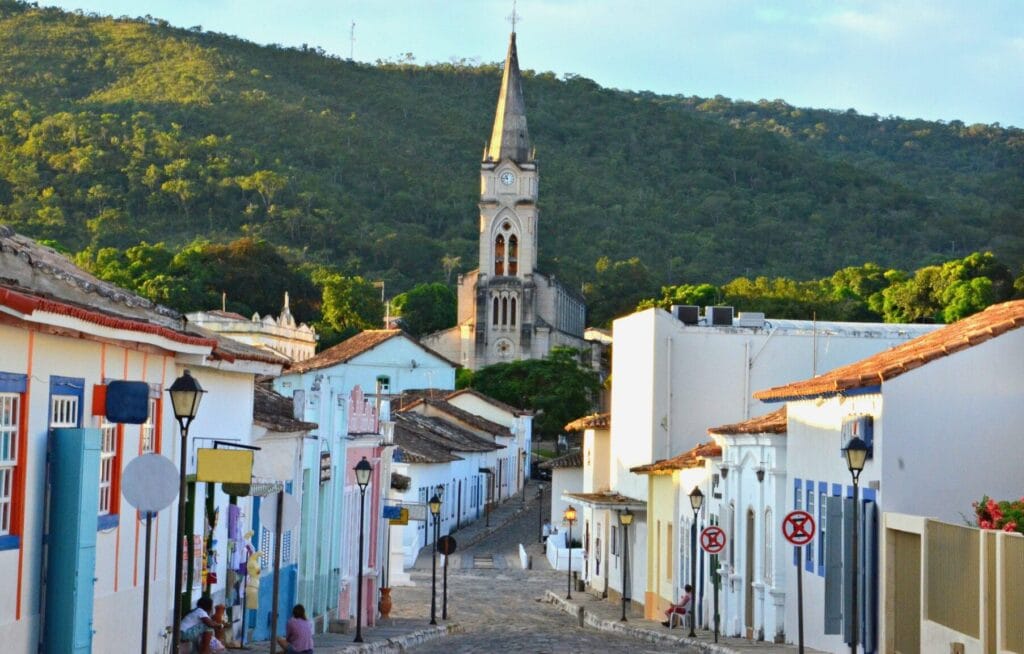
(509, 310)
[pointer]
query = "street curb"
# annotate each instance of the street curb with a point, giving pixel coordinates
(400, 644)
(625, 629)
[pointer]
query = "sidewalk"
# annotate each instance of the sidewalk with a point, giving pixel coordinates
(606, 616)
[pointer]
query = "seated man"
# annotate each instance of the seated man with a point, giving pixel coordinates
(680, 609)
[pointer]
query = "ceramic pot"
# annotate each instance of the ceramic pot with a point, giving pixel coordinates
(385, 602)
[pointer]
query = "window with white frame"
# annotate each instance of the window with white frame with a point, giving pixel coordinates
(63, 411)
(809, 549)
(10, 419)
(148, 435)
(108, 466)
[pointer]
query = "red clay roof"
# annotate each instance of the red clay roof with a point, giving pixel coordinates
(769, 423)
(872, 371)
(347, 349)
(460, 414)
(608, 499)
(487, 398)
(572, 459)
(691, 459)
(593, 421)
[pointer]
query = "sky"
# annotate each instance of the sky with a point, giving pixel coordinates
(932, 59)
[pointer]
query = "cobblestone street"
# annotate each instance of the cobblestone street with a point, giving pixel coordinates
(502, 606)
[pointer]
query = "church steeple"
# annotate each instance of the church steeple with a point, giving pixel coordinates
(509, 138)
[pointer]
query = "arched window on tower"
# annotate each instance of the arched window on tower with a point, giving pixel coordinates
(504, 311)
(499, 255)
(512, 312)
(513, 255)
(494, 311)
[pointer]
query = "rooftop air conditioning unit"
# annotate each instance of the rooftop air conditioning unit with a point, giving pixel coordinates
(750, 319)
(687, 314)
(718, 316)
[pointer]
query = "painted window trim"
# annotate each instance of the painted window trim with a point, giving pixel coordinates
(810, 492)
(822, 514)
(108, 521)
(17, 385)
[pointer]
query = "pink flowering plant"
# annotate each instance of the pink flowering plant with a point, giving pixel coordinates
(1007, 515)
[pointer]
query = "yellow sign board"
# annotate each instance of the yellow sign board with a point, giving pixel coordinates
(224, 466)
(403, 520)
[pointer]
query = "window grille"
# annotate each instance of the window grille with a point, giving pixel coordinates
(108, 458)
(10, 406)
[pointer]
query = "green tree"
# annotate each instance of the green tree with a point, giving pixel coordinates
(349, 305)
(426, 308)
(615, 289)
(559, 388)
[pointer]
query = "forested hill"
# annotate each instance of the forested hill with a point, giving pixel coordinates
(116, 131)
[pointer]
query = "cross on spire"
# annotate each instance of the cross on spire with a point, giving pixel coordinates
(513, 17)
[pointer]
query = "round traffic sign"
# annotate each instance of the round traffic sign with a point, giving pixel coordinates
(798, 527)
(150, 482)
(712, 539)
(446, 545)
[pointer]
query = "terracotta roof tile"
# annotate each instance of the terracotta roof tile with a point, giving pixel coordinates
(364, 341)
(608, 499)
(593, 421)
(876, 369)
(478, 422)
(769, 423)
(487, 398)
(276, 412)
(572, 459)
(691, 459)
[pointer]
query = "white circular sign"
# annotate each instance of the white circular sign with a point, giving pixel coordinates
(268, 513)
(150, 482)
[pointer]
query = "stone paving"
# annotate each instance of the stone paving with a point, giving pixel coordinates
(493, 603)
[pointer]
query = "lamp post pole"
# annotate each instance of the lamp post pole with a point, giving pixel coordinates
(186, 394)
(362, 470)
(696, 501)
(540, 513)
(856, 456)
(522, 468)
(570, 517)
(626, 518)
(435, 510)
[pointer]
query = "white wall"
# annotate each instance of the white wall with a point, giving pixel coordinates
(563, 480)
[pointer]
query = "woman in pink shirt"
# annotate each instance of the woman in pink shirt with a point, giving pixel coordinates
(298, 633)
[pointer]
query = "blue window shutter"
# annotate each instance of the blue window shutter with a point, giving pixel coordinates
(822, 526)
(834, 567)
(809, 505)
(847, 569)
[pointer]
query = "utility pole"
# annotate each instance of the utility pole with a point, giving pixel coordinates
(352, 41)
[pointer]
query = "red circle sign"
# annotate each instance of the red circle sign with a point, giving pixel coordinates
(798, 527)
(712, 539)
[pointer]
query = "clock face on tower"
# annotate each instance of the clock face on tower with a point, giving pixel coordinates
(508, 178)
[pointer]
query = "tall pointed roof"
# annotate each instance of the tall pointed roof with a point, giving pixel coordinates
(509, 138)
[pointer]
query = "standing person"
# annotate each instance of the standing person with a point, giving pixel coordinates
(197, 626)
(298, 633)
(680, 609)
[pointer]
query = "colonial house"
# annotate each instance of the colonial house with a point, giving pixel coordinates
(675, 374)
(939, 415)
(344, 389)
(748, 499)
(282, 334)
(672, 530)
(518, 421)
(442, 458)
(66, 336)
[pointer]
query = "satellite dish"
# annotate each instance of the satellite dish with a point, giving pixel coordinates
(268, 513)
(150, 483)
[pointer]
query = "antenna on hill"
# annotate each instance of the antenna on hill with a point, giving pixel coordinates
(352, 41)
(513, 17)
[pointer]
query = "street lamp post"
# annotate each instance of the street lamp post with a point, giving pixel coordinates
(626, 519)
(856, 456)
(435, 510)
(362, 470)
(696, 501)
(437, 537)
(570, 517)
(186, 394)
(522, 468)
(540, 512)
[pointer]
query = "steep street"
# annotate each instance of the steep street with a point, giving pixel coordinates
(496, 603)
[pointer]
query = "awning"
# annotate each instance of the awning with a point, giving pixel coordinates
(606, 500)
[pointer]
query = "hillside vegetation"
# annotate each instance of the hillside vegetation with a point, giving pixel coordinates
(115, 132)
